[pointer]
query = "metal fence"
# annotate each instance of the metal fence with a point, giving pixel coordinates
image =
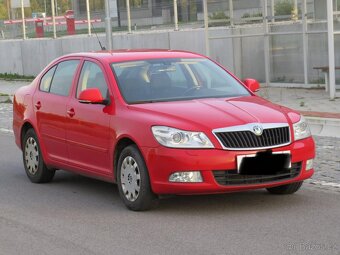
(295, 46)
(280, 42)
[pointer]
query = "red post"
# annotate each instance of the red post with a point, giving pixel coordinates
(39, 28)
(69, 16)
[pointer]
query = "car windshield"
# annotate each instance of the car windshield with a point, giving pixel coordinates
(171, 79)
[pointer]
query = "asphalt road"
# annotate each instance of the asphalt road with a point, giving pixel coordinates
(78, 215)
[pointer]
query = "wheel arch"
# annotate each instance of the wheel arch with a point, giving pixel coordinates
(25, 127)
(120, 145)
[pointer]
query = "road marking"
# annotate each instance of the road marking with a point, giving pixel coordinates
(324, 183)
(4, 130)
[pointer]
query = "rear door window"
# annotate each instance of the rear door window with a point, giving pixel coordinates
(63, 77)
(46, 80)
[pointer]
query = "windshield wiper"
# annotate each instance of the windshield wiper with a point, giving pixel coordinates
(145, 102)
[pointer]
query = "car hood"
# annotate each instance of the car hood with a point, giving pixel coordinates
(215, 112)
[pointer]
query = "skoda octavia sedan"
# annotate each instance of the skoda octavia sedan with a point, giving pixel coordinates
(158, 122)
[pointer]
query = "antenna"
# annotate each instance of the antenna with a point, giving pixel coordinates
(100, 44)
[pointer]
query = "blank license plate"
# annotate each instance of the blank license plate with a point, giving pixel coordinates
(263, 163)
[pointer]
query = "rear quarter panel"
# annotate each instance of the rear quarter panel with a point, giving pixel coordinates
(23, 111)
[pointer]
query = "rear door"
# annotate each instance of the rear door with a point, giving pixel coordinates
(88, 132)
(50, 101)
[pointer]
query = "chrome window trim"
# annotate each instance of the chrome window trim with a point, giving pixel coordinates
(248, 127)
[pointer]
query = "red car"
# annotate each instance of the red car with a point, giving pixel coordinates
(158, 122)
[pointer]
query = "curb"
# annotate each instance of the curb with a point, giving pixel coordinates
(324, 126)
(323, 115)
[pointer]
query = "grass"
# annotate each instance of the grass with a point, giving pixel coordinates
(8, 101)
(15, 76)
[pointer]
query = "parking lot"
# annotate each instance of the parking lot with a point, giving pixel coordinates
(78, 215)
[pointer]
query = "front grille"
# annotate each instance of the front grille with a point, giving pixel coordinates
(246, 139)
(231, 177)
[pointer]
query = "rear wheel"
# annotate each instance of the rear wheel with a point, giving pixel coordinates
(285, 189)
(133, 181)
(35, 167)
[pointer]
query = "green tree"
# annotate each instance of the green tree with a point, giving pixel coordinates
(64, 5)
(3, 9)
(284, 7)
(35, 6)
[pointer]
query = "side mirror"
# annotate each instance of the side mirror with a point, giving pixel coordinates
(91, 96)
(252, 84)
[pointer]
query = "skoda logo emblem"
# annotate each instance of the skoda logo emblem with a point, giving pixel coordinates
(257, 130)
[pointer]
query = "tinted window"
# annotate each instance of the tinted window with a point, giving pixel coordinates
(92, 76)
(175, 79)
(63, 77)
(45, 82)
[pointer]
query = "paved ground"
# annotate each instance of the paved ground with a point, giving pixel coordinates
(305, 100)
(9, 87)
(77, 215)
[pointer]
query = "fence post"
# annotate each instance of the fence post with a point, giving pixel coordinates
(272, 5)
(206, 27)
(53, 20)
(175, 15)
(108, 27)
(305, 41)
(331, 51)
(128, 15)
(231, 12)
(23, 20)
(266, 41)
(88, 17)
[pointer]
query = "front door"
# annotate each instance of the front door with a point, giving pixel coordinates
(88, 132)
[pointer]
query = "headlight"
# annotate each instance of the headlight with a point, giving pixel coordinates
(176, 138)
(301, 129)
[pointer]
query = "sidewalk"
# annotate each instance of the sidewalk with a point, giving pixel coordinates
(310, 102)
(322, 114)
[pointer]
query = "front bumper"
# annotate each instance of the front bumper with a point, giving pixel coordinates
(162, 162)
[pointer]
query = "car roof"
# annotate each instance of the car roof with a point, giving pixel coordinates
(135, 54)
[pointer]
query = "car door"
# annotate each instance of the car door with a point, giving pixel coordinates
(50, 101)
(88, 132)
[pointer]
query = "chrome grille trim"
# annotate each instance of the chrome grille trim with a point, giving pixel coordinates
(242, 137)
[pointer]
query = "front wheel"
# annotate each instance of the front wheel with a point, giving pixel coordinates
(133, 180)
(285, 189)
(35, 167)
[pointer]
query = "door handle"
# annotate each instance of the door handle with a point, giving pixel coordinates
(38, 105)
(71, 112)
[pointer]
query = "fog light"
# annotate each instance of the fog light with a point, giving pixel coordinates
(194, 176)
(309, 164)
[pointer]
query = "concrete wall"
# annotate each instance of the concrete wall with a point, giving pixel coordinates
(243, 56)
(28, 57)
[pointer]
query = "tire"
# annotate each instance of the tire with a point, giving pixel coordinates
(285, 189)
(133, 181)
(35, 167)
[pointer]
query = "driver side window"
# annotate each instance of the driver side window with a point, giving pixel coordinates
(92, 76)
